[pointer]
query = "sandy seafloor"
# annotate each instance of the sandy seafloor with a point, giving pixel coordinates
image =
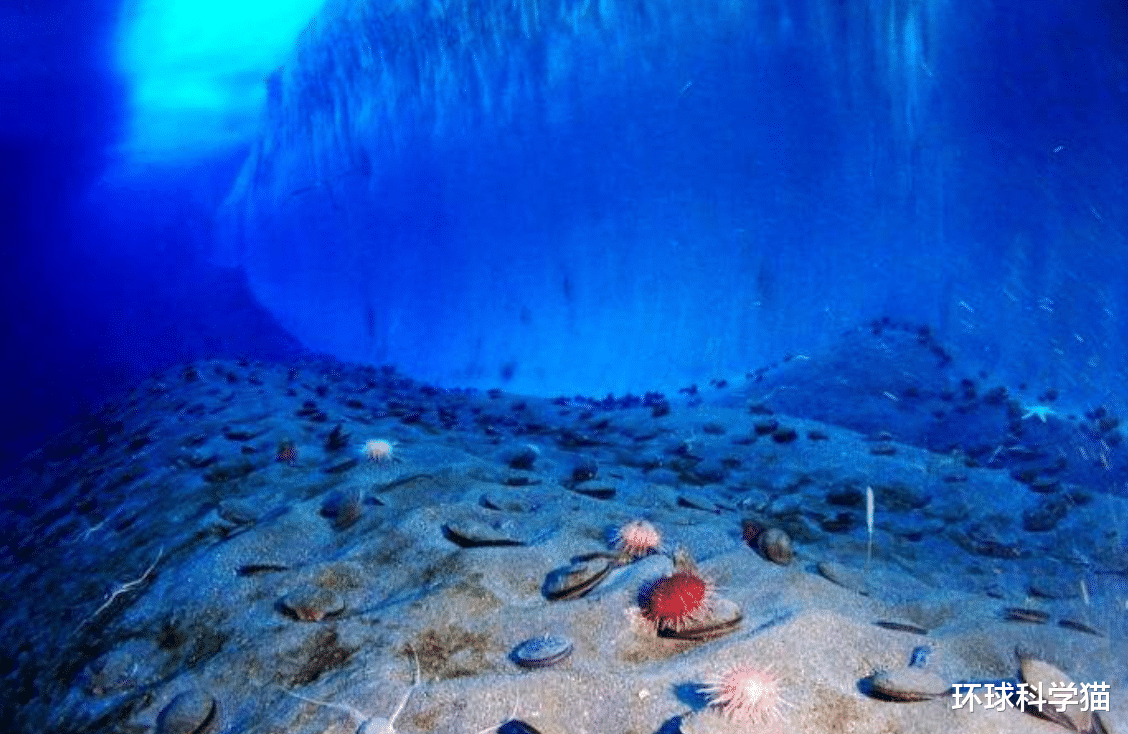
(170, 555)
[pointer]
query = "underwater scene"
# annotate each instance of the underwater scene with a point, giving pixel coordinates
(564, 367)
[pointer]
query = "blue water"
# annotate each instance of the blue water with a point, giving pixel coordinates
(906, 219)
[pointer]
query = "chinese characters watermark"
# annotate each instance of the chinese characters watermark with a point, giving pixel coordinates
(1060, 696)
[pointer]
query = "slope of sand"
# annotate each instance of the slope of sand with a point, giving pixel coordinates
(167, 546)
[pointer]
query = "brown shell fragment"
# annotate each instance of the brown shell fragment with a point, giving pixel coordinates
(576, 579)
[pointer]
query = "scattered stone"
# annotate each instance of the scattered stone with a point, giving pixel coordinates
(844, 576)
(1044, 485)
(512, 501)
(523, 458)
(584, 471)
(765, 427)
(343, 508)
(254, 569)
(775, 545)
(1045, 514)
(784, 434)
(750, 531)
(516, 726)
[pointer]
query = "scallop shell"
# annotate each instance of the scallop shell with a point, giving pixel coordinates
(542, 652)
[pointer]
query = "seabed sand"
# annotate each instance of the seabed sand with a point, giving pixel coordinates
(171, 545)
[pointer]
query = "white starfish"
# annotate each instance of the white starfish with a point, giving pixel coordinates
(371, 724)
(1039, 411)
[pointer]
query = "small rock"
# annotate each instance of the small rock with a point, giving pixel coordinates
(522, 458)
(775, 544)
(784, 434)
(343, 508)
(1045, 514)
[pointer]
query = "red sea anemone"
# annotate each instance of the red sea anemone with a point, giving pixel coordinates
(674, 601)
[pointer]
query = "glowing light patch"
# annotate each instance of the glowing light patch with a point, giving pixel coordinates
(195, 69)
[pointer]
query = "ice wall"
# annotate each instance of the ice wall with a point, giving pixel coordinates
(592, 196)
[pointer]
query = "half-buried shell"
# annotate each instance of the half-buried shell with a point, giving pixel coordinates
(542, 652)
(724, 617)
(1040, 675)
(575, 580)
(191, 712)
(907, 685)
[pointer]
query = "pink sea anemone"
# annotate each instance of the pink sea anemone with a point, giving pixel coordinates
(745, 695)
(638, 538)
(378, 449)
